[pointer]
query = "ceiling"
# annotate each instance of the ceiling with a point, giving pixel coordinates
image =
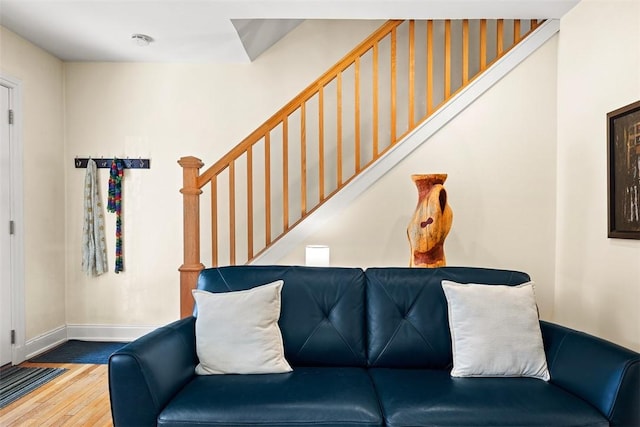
(219, 31)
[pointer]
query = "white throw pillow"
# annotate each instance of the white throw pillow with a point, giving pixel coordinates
(238, 333)
(495, 331)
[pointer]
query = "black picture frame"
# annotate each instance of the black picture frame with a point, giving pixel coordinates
(623, 158)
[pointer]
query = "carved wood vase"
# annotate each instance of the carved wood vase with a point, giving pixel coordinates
(431, 221)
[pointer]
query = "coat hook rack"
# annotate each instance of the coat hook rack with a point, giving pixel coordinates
(102, 163)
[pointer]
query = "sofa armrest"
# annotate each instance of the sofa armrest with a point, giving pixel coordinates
(146, 373)
(600, 372)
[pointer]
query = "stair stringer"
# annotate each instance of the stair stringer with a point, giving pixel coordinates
(342, 199)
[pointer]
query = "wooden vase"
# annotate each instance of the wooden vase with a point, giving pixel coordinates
(431, 221)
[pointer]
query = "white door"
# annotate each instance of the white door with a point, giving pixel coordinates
(5, 237)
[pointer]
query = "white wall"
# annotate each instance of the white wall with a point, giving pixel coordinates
(528, 149)
(500, 154)
(166, 111)
(41, 75)
(598, 279)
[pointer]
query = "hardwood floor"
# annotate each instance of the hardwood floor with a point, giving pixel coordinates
(79, 397)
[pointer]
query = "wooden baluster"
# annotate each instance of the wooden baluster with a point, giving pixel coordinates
(516, 31)
(412, 72)
(232, 212)
(249, 202)
(429, 67)
(483, 44)
(499, 36)
(356, 81)
(393, 85)
(447, 59)
(214, 220)
(339, 127)
(321, 142)
(285, 174)
(376, 148)
(191, 266)
(465, 52)
(267, 188)
(303, 160)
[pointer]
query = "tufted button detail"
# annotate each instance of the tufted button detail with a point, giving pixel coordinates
(322, 315)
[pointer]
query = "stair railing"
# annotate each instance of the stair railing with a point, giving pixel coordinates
(335, 128)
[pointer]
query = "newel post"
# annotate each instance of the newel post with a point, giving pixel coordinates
(192, 266)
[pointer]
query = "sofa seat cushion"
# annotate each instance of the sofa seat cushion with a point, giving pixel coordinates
(433, 398)
(308, 396)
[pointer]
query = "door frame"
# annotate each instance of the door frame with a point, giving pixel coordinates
(18, 352)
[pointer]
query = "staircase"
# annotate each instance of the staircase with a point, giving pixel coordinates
(340, 134)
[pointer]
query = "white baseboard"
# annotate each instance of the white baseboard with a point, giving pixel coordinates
(62, 334)
(107, 332)
(44, 342)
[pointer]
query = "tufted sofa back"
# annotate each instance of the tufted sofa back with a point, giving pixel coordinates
(322, 317)
(407, 320)
(381, 317)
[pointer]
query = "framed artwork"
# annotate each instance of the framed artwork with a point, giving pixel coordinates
(623, 142)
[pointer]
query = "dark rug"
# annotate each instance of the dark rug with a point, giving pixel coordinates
(75, 351)
(15, 381)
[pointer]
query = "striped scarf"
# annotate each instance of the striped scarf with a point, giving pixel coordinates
(114, 204)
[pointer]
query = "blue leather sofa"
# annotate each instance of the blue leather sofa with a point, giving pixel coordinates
(369, 348)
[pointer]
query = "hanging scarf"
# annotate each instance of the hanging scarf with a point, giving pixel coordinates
(94, 247)
(115, 205)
